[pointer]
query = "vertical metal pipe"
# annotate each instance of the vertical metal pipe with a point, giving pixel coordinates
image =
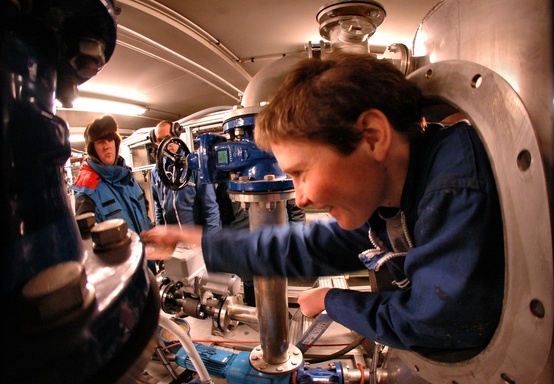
(272, 309)
(271, 292)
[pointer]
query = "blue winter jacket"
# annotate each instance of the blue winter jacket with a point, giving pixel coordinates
(455, 268)
(115, 193)
(194, 204)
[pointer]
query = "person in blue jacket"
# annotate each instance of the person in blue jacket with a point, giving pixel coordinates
(105, 185)
(195, 203)
(417, 200)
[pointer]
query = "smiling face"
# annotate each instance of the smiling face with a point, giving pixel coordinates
(105, 148)
(351, 186)
(341, 128)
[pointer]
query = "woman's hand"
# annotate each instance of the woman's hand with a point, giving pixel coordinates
(173, 234)
(312, 301)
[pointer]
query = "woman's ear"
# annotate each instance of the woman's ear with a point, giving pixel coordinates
(377, 132)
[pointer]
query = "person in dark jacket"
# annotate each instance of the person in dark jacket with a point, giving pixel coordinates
(195, 203)
(105, 185)
(416, 200)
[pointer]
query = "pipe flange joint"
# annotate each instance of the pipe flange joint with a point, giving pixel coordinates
(331, 15)
(293, 362)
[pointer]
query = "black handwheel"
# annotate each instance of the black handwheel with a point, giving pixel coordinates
(172, 165)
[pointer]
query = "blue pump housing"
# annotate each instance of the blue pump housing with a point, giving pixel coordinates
(234, 368)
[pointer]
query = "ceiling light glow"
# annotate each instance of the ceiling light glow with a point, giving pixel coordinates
(104, 106)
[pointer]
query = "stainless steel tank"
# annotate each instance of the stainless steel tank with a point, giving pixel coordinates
(493, 61)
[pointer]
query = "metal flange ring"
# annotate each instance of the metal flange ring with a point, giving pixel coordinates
(520, 347)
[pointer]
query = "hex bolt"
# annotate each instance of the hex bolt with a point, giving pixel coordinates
(89, 58)
(56, 294)
(109, 234)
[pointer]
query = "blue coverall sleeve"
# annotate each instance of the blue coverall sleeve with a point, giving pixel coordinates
(311, 250)
(456, 266)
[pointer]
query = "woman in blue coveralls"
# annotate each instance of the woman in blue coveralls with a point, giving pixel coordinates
(105, 185)
(417, 200)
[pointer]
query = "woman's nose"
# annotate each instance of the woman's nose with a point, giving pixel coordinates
(302, 200)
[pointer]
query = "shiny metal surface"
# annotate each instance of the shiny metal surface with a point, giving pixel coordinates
(264, 84)
(272, 309)
(271, 295)
(520, 348)
(348, 25)
(511, 37)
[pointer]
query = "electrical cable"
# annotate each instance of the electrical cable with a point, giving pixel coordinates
(188, 346)
(362, 374)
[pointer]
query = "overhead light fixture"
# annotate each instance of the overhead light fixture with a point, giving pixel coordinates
(77, 138)
(96, 90)
(103, 106)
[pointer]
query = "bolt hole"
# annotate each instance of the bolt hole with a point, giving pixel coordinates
(537, 308)
(524, 160)
(416, 368)
(476, 81)
(507, 379)
(429, 73)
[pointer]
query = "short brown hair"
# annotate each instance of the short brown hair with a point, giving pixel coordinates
(321, 100)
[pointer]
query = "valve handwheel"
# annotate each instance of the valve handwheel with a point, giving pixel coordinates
(172, 164)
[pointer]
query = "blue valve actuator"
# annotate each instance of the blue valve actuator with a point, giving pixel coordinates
(216, 158)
